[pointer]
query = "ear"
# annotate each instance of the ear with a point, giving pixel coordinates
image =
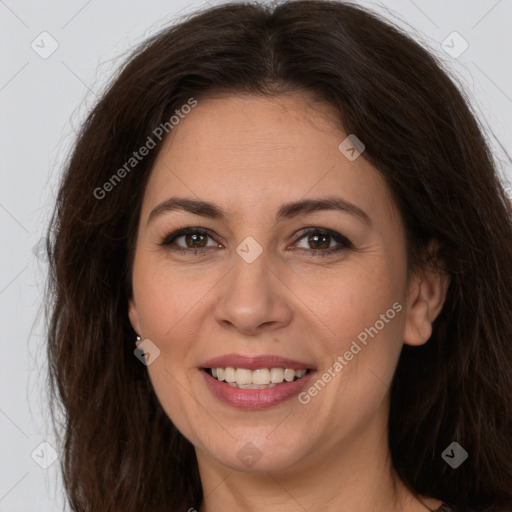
(133, 315)
(425, 298)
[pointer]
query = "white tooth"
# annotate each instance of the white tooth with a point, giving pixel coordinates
(261, 376)
(276, 375)
(243, 376)
(255, 386)
(289, 374)
(232, 384)
(230, 374)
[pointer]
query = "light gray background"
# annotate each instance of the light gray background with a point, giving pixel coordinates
(42, 102)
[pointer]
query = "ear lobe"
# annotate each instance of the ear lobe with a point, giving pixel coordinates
(427, 293)
(133, 315)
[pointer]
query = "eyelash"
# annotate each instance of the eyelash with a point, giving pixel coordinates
(344, 242)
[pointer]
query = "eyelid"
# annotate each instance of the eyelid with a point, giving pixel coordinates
(324, 231)
(183, 231)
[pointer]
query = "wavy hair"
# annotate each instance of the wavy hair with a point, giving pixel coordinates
(120, 450)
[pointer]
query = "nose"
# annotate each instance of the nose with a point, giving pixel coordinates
(253, 297)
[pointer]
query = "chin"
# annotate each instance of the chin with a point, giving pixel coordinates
(258, 454)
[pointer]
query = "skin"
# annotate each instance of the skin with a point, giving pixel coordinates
(250, 155)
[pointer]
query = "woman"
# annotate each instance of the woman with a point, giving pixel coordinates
(282, 276)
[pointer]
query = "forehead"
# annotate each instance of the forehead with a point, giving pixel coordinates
(255, 124)
(254, 153)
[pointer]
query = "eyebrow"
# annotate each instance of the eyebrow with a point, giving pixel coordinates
(286, 211)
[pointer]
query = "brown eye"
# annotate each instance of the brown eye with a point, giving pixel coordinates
(321, 241)
(196, 240)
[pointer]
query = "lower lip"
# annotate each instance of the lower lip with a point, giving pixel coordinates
(255, 398)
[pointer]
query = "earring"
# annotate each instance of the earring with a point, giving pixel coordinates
(138, 339)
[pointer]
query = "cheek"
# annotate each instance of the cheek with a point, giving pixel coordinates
(357, 300)
(168, 307)
(364, 312)
(167, 297)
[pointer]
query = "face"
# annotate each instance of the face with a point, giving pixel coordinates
(269, 288)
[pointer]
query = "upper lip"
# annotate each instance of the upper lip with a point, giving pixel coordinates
(254, 362)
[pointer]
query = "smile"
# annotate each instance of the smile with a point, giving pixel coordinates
(255, 381)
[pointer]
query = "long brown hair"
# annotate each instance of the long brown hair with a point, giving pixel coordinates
(120, 450)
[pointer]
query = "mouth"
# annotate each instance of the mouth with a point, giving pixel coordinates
(255, 382)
